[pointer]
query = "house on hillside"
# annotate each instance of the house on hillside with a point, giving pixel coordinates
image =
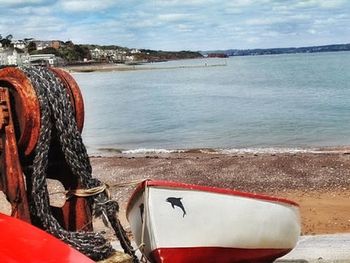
(135, 51)
(40, 45)
(13, 57)
(20, 44)
(56, 44)
(3, 57)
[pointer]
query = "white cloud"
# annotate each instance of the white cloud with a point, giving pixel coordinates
(20, 2)
(332, 4)
(262, 21)
(184, 28)
(179, 24)
(201, 3)
(174, 17)
(326, 4)
(29, 11)
(86, 5)
(312, 31)
(253, 40)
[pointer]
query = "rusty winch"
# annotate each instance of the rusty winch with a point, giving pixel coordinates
(41, 118)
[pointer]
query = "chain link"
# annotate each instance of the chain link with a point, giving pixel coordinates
(57, 114)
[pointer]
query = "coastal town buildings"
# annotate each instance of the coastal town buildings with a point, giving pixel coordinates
(40, 45)
(13, 57)
(30, 51)
(111, 55)
(44, 60)
(18, 53)
(4, 56)
(20, 44)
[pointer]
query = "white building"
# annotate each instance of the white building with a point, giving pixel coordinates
(3, 57)
(135, 51)
(40, 45)
(43, 59)
(20, 44)
(14, 58)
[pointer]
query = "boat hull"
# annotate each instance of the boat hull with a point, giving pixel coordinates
(187, 223)
(216, 254)
(21, 242)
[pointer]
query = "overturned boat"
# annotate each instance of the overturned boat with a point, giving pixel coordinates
(177, 222)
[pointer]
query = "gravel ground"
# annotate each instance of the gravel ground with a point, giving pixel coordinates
(264, 173)
(320, 182)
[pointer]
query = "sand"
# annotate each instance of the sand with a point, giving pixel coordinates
(124, 67)
(319, 183)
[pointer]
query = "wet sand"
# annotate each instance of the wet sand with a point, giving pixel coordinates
(320, 182)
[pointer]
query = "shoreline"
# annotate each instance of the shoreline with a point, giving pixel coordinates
(124, 67)
(110, 152)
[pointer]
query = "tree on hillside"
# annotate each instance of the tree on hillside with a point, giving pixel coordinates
(6, 42)
(48, 50)
(31, 47)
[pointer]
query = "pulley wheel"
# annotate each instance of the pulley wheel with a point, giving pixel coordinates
(25, 104)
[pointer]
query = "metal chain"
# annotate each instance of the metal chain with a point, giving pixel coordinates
(57, 113)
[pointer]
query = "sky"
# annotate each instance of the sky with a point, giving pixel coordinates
(180, 24)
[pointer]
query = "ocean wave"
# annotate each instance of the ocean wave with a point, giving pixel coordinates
(226, 151)
(257, 150)
(150, 151)
(269, 150)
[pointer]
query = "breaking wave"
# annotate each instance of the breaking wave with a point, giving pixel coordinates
(230, 151)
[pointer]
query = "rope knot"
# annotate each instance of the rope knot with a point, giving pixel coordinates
(88, 192)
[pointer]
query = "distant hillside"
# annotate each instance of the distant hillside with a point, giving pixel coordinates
(290, 50)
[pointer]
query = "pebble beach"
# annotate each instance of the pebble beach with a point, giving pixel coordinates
(318, 182)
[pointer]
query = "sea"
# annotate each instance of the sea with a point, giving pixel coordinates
(271, 103)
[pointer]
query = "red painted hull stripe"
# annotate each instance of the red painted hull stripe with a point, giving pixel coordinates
(176, 185)
(216, 255)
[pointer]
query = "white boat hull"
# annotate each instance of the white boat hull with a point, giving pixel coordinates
(186, 223)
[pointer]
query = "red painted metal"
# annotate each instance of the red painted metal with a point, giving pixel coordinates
(12, 179)
(19, 138)
(74, 94)
(26, 109)
(216, 254)
(21, 242)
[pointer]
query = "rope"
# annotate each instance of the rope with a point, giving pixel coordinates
(129, 183)
(145, 217)
(57, 115)
(96, 190)
(87, 192)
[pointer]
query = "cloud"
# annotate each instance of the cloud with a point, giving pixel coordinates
(178, 3)
(86, 5)
(174, 17)
(179, 24)
(5, 3)
(260, 21)
(184, 28)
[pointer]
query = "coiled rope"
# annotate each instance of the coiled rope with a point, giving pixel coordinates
(57, 114)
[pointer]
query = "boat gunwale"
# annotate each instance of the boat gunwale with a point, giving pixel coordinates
(201, 188)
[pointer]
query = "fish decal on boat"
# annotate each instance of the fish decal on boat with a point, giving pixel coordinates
(176, 201)
(222, 225)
